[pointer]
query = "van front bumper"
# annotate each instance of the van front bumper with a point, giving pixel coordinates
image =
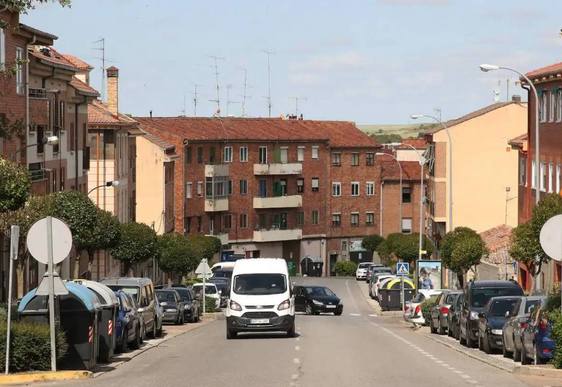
(245, 324)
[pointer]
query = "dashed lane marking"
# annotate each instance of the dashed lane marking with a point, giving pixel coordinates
(297, 348)
(354, 314)
(373, 315)
(296, 360)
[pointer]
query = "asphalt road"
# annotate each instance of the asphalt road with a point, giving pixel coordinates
(355, 349)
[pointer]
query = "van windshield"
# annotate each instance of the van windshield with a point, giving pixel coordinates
(133, 291)
(260, 284)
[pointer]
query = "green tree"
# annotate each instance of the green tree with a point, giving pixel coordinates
(371, 243)
(15, 186)
(461, 249)
(105, 235)
(205, 246)
(176, 254)
(137, 244)
(406, 246)
(25, 5)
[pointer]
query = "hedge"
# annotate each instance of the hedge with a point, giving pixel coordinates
(556, 319)
(426, 309)
(30, 348)
(210, 304)
(345, 268)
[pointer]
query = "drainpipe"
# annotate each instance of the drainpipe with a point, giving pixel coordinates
(380, 209)
(27, 123)
(76, 106)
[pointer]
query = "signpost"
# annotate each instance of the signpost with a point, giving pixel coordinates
(551, 239)
(203, 271)
(14, 244)
(402, 269)
(49, 241)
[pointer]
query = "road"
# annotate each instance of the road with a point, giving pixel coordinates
(355, 349)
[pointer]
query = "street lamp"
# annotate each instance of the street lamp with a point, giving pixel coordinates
(49, 140)
(399, 166)
(113, 183)
(491, 67)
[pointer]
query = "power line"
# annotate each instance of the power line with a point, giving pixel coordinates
(268, 53)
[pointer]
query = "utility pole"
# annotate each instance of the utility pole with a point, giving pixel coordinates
(268, 53)
(297, 99)
(218, 100)
(101, 48)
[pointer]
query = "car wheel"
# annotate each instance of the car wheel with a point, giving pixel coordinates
(524, 359)
(461, 337)
(159, 331)
(431, 328)
(125, 338)
(338, 313)
(536, 358)
(291, 331)
(505, 352)
(138, 339)
(486, 344)
(480, 347)
(442, 329)
(516, 352)
(308, 309)
(469, 342)
(230, 334)
(154, 333)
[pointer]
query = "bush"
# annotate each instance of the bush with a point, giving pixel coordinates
(426, 309)
(346, 268)
(210, 304)
(30, 349)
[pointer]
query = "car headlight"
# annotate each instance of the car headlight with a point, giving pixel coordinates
(187, 306)
(340, 303)
(474, 316)
(497, 331)
(317, 303)
(284, 305)
(235, 306)
(171, 310)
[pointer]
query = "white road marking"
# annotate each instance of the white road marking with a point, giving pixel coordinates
(296, 360)
(298, 338)
(355, 314)
(373, 315)
(297, 348)
(294, 376)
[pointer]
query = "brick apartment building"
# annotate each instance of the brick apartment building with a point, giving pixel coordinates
(274, 187)
(548, 82)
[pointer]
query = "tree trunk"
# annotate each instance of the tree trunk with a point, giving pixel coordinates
(76, 271)
(90, 255)
(460, 278)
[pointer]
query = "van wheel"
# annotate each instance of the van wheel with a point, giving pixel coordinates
(291, 331)
(231, 334)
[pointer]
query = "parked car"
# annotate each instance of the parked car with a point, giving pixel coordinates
(536, 339)
(316, 300)
(223, 285)
(414, 312)
(381, 270)
(491, 322)
(159, 318)
(515, 324)
(142, 291)
(191, 305)
(361, 272)
(453, 318)
(476, 296)
(127, 323)
(440, 312)
(376, 282)
(370, 270)
(172, 304)
(210, 291)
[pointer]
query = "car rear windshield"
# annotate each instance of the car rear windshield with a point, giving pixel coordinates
(260, 284)
(133, 291)
(500, 307)
(319, 291)
(530, 304)
(165, 296)
(185, 295)
(209, 289)
(364, 265)
(481, 296)
(222, 274)
(418, 298)
(450, 298)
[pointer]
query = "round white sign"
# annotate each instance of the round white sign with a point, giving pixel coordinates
(37, 242)
(551, 237)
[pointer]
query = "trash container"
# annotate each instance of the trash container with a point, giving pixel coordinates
(106, 319)
(312, 266)
(390, 294)
(78, 317)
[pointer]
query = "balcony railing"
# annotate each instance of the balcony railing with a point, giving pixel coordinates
(216, 205)
(212, 170)
(290, 201)
(37, 93)
(278, 169)
(275, 235)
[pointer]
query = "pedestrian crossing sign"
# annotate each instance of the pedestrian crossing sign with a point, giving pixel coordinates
(402, 268)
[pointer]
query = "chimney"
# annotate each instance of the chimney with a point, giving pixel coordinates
(113, 89)
(516, 98)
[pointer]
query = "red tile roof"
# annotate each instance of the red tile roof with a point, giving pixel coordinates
(519, 141)
(418, 143)
(552, 69)
(497, 240)
(391, 171)
(338, 133)
(77, 62)
(83, 87)
(52, 57)
(100, 116)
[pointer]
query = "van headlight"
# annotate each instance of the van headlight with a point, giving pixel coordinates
(474, 316)
(284, 305)
(235, 306)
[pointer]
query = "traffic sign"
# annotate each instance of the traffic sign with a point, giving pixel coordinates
(59, 288)
(551, 237)
(402, 268)
(37, 240)
(203, 270)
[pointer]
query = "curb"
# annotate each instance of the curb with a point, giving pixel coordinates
(46, 376)
(547, 371)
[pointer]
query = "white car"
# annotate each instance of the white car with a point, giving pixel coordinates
(413, 312)
(210, 291)
(374, 292)
(361, 272)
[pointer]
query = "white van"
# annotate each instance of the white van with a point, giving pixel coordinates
(261, 298)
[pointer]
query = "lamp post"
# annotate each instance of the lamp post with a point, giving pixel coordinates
(491, 67)
(113, 183)
(399, 166)
(50, 140)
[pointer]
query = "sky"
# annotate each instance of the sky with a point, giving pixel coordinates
(370, 61)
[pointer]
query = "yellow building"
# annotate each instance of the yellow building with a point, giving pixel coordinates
(484, 169)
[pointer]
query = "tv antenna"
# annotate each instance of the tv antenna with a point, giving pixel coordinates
(297, 99)
(195, 100)
(218, 100)
(245, 88)
(268, 53)
(228, 100)
(101, 48)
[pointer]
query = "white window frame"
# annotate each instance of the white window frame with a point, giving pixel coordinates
(559, 105)
(367, 215)
(20, 84)
(314, 152)
(543, 177)
(534, 174)
(199, 188)
(405, 221)
(355, 156)
(243, 183)
(370, 188)
(284, 155)
(543, 105)
(551, 177)
(356, 183)
(300, 153)
(260, 160)
(243, 154)
(2, 48)
(315, 187)
(351, 219)
(188, 190)
(558, 178)
(315, 221)
(336, 189)
(552, 106)
(227, 154)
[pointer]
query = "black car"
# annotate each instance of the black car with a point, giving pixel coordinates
(476, 296)
(172, 305)
(454, 316)
(492, 320)
(191, 310)
(516, 323)
(316, 300)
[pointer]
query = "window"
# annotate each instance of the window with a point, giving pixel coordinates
(300, 218)
(243, 220)
(369, 218)
(2, 48)
(370, 188)
(229, 192)
(534, 175)
(370, 159)
(315, 152)
(200, 155)
(336, 220)
(355, 159)
(543, 176)
(199, 188)
(263, 155)
(543, 105)
(243, 154)
(243, 187)
(188, 187)
(522, 171)
(336, 159)
(284, 155)
(40, 136)
(406, 195)
(336, 189)
(315, 217)
(315, 184)
(227, 154)
(187, 153)
(559, 105)
(187, 224)
(344, 245)
(552, 106)
(20, 87)
(227, 221)
(300, 153)
(354, 188)
(551, 177)
(354, 219)
(406, 225)
(300, 185)
(212, 155)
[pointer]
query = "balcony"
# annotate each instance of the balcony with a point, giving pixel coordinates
(223, 237)
(291, 201)
(278, 169)
(216, 170)
(276, 235)
(216, 205)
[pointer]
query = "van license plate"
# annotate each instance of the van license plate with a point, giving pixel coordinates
(259, 321)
